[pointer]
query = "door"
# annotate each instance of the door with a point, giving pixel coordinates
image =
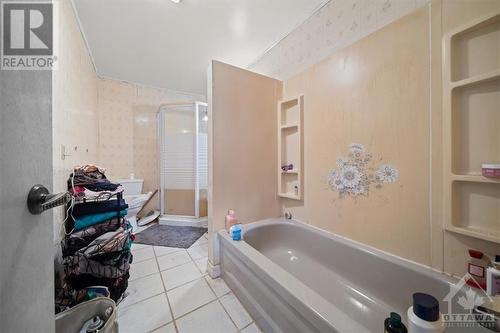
(26, 241)
(202, 162)
(177, 160)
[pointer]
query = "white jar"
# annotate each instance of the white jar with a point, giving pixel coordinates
(424, 315)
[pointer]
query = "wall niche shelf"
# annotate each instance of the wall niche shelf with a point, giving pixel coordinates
(471, 120)
(292, 126)
(290, 147)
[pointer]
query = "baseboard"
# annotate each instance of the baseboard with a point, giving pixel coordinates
(213, 271)
(186, 222)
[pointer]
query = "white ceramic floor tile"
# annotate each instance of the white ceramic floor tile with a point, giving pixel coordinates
(198, 252)
(136, 246)
(190, 296)
(143, 254)
(163, 250)
(209, 319)
(143, 268)
(142, 288)
(165, 329)
(202, 264)
(236, 311)
(218, 285)
(200, 241)
(145, 316)
(251, 329)
(179, 275)
(174, 259)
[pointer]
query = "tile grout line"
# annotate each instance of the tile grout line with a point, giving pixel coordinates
(166, 295)
(194, 262)
(159, 270)
(197, 308)
(142, 300)
(247, 326)
(212, 301)
(184, 263)
(167, 254)
(222, 305)
(144, 275)
(223, 295)
(230, 318)
(203, 277)
(142, 249)
(217, 298)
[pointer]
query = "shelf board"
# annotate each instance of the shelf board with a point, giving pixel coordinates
(284, 127)
(482, 78)
(291, 172)
(291, 100)
(475, 179)
(289, 196)
(479, 23)
(475, 233)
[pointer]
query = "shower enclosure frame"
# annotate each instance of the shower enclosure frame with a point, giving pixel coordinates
(161, 130)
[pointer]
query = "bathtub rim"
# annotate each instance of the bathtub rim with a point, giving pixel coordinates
(289, 287)
(369, 250)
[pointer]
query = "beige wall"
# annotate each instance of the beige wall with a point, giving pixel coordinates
(128, 129)
(374, 92)
(74, 114)
(389, 98)
(242, 146)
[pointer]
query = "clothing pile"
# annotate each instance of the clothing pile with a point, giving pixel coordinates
(96, 248)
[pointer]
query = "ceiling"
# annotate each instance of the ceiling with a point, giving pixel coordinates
(163, 44)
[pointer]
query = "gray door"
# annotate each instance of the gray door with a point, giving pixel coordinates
(26, 241)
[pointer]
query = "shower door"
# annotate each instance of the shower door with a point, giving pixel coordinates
(202, 163)
(183, 159)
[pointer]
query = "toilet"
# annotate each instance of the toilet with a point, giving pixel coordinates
(135, 199)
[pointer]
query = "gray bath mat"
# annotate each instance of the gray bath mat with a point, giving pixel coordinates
(168, 235)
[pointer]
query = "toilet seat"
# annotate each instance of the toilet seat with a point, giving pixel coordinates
(135, 204)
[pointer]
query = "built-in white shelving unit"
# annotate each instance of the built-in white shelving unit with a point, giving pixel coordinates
(290, 147)
(472, 128)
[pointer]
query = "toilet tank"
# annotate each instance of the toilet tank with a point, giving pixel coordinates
(131, 186)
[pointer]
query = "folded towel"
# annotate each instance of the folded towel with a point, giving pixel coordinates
(88, 220)
(89, 208)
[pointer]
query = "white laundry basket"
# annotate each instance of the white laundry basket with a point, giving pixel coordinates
(72, 320)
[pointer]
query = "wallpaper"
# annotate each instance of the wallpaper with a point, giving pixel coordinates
(337, 24)
(127, 140)
(74, 114)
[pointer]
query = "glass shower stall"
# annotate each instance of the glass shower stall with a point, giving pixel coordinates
(183, 141)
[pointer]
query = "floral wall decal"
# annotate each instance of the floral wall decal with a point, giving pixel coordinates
(355, 174)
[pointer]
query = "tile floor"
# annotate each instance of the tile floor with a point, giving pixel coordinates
(169, 291)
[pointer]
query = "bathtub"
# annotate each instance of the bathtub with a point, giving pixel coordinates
(292, 277)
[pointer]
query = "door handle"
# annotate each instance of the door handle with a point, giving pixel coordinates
(40, 199)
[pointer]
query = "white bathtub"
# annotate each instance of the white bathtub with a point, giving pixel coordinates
(295, 278)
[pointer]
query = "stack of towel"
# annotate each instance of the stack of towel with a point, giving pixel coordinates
(96, 249)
